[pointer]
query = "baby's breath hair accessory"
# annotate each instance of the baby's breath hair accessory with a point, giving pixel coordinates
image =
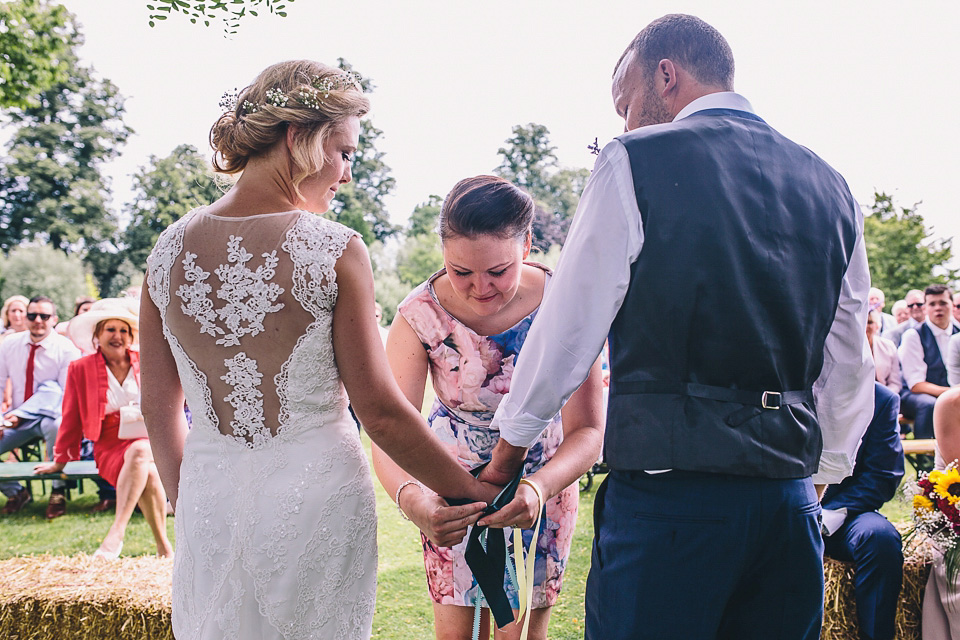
(311, 97)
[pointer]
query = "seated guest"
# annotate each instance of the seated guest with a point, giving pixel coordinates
(916, 315)
(98, 386)
(884, 355)
(35, 362)
(14, 318)
(14, 315)
(877, 301)
(900, 312)
(922, 353)
(941, 600)
(80, 306)
(855, 532)
(956, 309)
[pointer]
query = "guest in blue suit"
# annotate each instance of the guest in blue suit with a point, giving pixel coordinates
(855, 532)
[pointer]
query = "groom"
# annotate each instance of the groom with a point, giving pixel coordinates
(708, 524)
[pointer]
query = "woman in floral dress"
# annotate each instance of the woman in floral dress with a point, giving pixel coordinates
(465, 326)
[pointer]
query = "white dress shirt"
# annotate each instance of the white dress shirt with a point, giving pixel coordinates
(578, 308)
(121, 395)
(911, 352)
(50, 362)
(953, 360)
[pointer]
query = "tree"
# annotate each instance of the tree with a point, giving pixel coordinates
(164, 191)
(51, 188)
(359, 204)
(229, 12)
(529, 161)
(425, 216)
(900, 251)
(41, 270)
(34, 41)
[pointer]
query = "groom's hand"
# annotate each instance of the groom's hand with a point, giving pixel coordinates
(504, 463)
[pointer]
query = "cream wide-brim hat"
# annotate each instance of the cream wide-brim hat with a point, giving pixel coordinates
(80, 329)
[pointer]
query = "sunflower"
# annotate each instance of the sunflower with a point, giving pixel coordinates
(947, 485)
(922, 503)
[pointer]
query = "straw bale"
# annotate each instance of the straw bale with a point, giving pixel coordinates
(840, 609)
(84, 598)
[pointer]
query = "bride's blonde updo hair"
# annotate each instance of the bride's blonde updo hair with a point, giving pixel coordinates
(308, 95)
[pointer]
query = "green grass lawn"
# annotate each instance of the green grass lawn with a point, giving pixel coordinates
(403, 607)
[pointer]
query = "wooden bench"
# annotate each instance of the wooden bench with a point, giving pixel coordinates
(23, 471)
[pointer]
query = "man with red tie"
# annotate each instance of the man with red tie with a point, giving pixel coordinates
(35, 361)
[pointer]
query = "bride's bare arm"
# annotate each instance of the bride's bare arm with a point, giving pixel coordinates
(388, 418)
(161, 397)
(946, 424)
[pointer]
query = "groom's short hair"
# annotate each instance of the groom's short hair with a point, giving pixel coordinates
(689, 42)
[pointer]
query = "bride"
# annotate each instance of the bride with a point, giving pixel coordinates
(259, 313)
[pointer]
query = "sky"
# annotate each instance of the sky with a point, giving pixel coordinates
(871, 87)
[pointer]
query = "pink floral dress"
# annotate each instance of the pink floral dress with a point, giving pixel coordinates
(470, 374)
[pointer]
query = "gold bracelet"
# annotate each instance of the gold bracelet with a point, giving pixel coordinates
(397, 498)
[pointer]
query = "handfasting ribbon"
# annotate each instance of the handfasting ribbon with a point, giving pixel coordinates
(488, 562)
(525, 576)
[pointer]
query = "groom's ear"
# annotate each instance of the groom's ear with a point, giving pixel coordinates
(666, 76)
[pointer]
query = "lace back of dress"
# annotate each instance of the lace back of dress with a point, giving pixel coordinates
(247, 307)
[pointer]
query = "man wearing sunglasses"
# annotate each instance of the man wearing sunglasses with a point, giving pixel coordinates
(35, 361)
(915, 308)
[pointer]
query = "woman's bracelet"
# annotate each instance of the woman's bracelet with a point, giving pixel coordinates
(403, 486)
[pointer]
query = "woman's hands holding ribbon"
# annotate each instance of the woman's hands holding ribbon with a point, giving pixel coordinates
(444, 525)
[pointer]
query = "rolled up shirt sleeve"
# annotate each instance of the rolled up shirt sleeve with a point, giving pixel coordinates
(844, 391)
(581, 301)
(911, 358)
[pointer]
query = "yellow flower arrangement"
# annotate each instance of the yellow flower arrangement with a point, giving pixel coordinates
(947, 485)
(922, 503)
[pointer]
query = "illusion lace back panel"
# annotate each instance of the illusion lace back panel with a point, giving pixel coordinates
(276, 528)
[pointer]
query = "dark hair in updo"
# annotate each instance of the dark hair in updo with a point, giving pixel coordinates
(242, 132)
(486, 205)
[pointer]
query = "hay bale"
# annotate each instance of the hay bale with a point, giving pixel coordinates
(84, 598)
(840, 609)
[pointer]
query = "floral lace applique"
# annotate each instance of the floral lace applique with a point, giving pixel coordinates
(249, 294)
(246, 399)
(198, 304)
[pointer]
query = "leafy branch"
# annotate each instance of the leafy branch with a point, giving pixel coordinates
(229, 12)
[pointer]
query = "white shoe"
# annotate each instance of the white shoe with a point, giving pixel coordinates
(108, 555)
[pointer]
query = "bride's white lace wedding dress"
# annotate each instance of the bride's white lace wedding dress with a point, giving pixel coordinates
(275, 523)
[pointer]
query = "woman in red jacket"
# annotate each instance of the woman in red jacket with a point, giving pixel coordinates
(97, 387)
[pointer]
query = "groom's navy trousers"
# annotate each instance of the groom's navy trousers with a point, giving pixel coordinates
(691, 556)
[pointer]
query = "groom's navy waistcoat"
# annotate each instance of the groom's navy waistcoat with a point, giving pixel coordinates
(747, 237)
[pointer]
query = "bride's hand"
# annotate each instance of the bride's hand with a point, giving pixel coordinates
(444, 525)
(519, 512)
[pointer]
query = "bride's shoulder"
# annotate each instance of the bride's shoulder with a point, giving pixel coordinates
(313, 232)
